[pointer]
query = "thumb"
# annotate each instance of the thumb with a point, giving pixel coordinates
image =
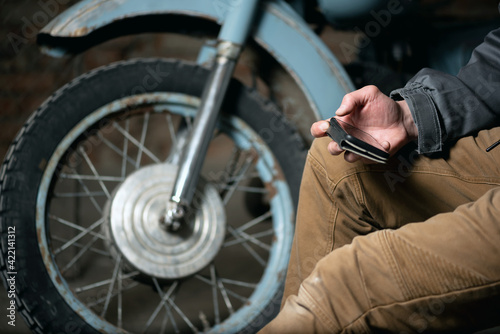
(357, 99)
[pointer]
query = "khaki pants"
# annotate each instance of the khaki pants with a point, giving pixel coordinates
(412, 246)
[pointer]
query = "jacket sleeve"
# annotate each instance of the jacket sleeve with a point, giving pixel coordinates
(447, 107)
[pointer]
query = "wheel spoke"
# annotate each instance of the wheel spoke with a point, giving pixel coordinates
(125, 150)
(253, 238)
(137, 143)
(94, 171)
(119, 310)
(79, 236)
(171, 129)
(225, 296)
(239, 283)
(226, 178)
(239, 177)
(164, 298)
(255, 221)
(143, 138)
(78, 245)
(91, 177)
(249, 249)
(104, 282)
(233, 294)
(79, 255)
(117, 150)
(76, 227)
(164, 324)
(231, 166)
(87, 191)
(228, 291)
(255, 190)
(80, 195)
(178, 142)
(215, 300)
(103, 299)
(112, 285)
(182, 315)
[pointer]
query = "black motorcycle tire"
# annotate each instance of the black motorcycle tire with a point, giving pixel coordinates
(36, 297)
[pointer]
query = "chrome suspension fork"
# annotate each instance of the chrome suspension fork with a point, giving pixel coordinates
(230, 42)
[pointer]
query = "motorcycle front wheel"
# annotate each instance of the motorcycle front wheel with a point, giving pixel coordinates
(84, 187)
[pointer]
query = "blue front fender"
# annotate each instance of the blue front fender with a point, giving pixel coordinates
(280, 31)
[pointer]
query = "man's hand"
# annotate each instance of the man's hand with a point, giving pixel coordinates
(368, 109)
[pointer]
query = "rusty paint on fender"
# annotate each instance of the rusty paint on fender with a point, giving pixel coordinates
(280, 32)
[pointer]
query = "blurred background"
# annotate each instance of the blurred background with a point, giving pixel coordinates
(439, 27)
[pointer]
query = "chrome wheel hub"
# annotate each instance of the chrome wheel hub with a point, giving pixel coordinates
(137, 234)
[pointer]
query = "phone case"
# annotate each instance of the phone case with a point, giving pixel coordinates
(352, 144)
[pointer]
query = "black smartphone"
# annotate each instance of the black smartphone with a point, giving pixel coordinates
(354, 144)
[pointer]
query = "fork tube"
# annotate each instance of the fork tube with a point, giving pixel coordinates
(231, 39)
(239, 21)
(195, 149)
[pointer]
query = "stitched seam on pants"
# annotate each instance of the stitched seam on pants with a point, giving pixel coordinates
(357, 189)
(325, 320)
(415, 169)
(411, 300)
(357, 327)
(332, 229)
(318, 168)
(386, 248)
(360, 195)
(333, 184)
(478, 278)
(465, 178)
(365, 289)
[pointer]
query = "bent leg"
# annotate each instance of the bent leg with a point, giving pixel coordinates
(441, 274)
(340, 200)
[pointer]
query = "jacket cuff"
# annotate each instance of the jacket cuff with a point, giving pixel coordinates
(424, 114)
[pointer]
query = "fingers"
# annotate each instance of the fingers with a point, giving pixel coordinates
(351, 157)
(334, 148)
(386, 146)
(357, 99)
(319, 128)
(351, 102)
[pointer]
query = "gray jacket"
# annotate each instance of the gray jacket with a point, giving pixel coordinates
(447, 107)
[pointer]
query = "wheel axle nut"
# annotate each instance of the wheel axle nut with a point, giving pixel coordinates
(174, 218)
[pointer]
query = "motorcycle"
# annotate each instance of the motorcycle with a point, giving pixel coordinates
(129, 195)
